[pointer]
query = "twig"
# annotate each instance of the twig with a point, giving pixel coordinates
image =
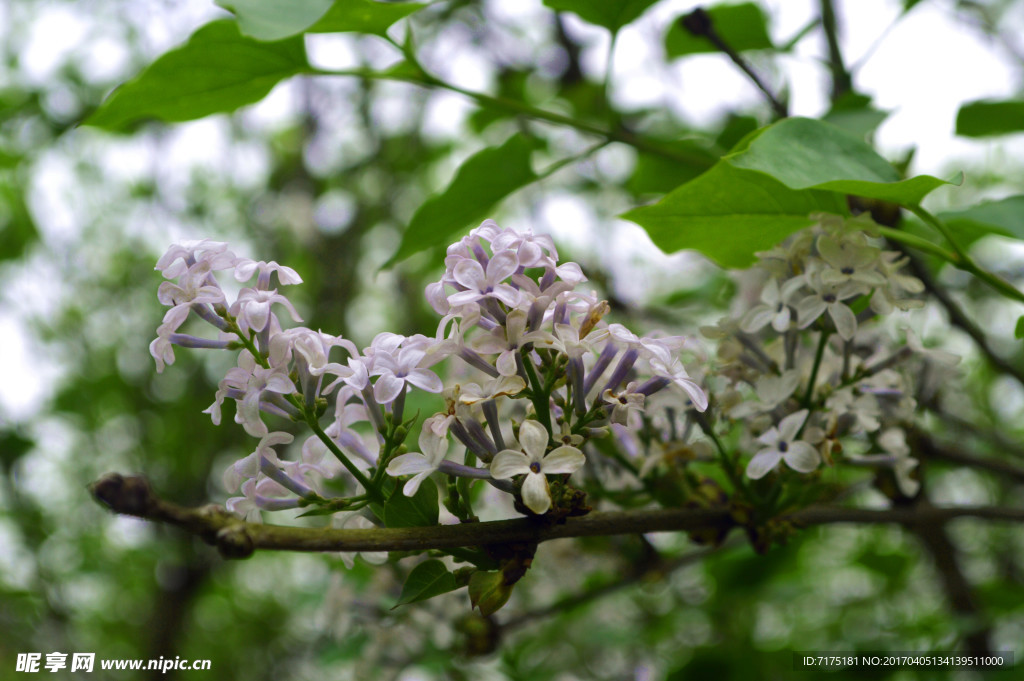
(657, 570)
(699, 23)
(842, 81)
(937, 452)
(235, 538)
(959, 593)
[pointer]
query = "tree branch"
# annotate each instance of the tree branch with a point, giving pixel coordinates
(842, 82)
(699, 23)
(959, 318)
(235, 538)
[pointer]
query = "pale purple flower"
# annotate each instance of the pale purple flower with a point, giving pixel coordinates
(252, 308)
(248, 467)
(489, 283)
(244, 269)
(179, 258)
(396, 371)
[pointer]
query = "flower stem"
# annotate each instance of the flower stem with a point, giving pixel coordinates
(372, 490)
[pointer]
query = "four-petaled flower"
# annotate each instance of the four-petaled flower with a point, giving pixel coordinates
(420, 464)
(535, 465)
(781, 445)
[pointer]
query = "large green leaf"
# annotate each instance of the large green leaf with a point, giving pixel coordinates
(984, 118)
(428, 579)
(804, 153)
(612, 14)
(217, 70)
(482, 181)
(741, 27)
(419, 510)
(364, 16)
(1004, 217)
(657, 174)
(728, 214)
(275, 19)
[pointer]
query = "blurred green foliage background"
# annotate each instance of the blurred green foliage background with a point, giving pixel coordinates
(322, 176)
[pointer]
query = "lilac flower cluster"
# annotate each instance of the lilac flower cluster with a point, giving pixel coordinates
(802, 368)
(541, 373)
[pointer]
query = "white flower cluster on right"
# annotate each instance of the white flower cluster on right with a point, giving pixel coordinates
(803, 368)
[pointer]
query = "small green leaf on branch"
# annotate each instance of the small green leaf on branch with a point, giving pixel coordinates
(428, 579)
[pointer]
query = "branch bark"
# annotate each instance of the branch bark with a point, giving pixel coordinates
(235, 538)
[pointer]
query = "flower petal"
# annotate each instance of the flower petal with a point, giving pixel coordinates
(763, 461)
(802, 457)
(845, 320)
(564, 459)
(409, 464)
(508, 463)
(533, 438)
(535, 493)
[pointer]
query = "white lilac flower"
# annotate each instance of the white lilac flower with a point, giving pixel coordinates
(849, 261)
(624, 402)
(664, 365)
(419, 464)
(532, 462)
(897, 284)
(246, 468)
(781, 445)
(771, 391)
(830, 297)
(774, 309)
(863, 409)
(894, 441)
(502, 386)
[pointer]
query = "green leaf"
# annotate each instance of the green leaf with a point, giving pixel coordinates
(275, 19)
(428, 579)
(853, 113)
(984, 118)
(742, 27)
(1004, 217)
(364, 16)
(804, 153)
(488, 591)
(657, 174)
(17, 227)
(217, 70)
(420, 510)
(728, 214)
(482, 181)
(612, 14)
(1018, 331)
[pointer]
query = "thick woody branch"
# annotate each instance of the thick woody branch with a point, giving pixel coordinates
(235, 538)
